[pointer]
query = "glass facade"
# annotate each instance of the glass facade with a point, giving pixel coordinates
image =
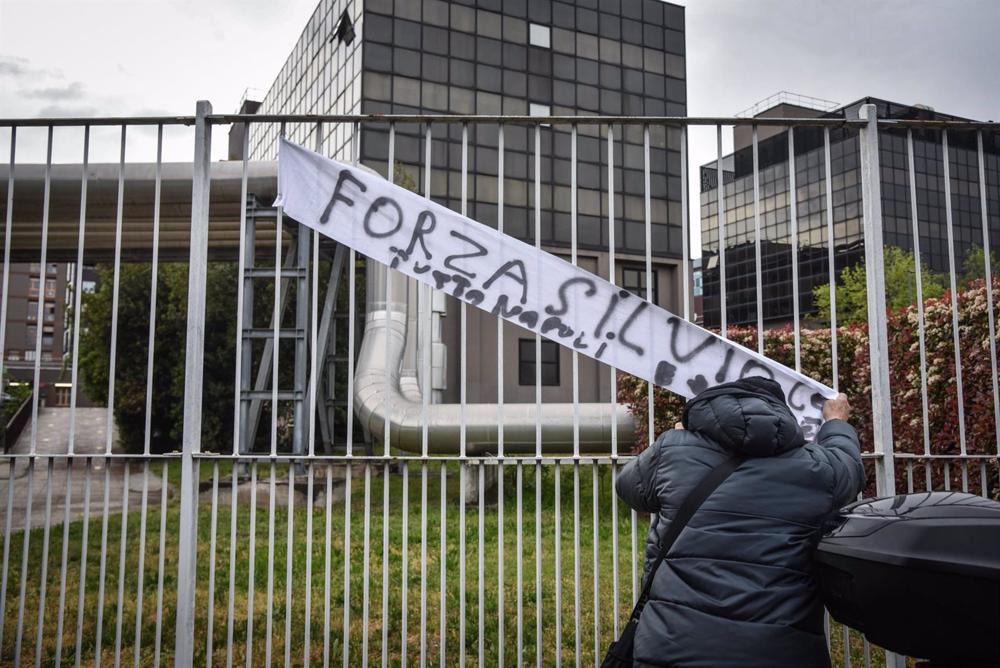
(811, 207)
(612, 57)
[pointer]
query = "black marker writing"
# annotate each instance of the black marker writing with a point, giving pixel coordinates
(508, 270)
(480, 251)
(563, 304)
(345, 175)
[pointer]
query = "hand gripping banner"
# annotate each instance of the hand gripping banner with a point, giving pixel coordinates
(521, 284)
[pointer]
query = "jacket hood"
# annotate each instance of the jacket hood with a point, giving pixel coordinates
(748, 418)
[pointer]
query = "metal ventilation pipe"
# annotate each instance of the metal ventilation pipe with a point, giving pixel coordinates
(377, 388)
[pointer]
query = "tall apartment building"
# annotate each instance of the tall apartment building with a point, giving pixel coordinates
(810, 181)
(513, 57)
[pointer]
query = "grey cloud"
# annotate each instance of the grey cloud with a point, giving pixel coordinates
(71, 91)
(14, 66)
(67, 111)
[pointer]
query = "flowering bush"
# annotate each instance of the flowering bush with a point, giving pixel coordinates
(943, 432)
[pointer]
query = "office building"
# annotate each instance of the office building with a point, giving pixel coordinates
(511, 57)
(810, 198)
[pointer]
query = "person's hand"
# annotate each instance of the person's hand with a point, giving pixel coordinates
(678, 425)
(837, 408)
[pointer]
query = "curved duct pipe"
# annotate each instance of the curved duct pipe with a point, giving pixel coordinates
(377, 387)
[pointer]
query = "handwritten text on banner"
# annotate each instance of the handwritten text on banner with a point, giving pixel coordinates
(526, 286)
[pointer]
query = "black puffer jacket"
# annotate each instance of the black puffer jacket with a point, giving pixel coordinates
(738, 588)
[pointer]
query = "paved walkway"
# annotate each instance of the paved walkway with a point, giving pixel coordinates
(52, 437)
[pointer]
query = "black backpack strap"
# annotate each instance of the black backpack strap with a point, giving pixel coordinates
(688, 508)
(620, 652)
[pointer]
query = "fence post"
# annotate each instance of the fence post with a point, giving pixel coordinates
(878, 339)
(194, 355)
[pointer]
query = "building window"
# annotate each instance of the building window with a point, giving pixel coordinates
(50, 313)
(33, 286)
(50, 288)
(29, 355)
(538, 35)
(14, 355)
(526, 362)
(634, 280)
(536, 109)
(52, 268)
(32, 311)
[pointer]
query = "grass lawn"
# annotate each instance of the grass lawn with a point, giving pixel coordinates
(271, 554)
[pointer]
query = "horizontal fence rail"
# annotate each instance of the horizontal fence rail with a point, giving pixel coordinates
(194, 485)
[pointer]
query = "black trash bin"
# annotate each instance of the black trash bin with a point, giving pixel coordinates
(919, 574)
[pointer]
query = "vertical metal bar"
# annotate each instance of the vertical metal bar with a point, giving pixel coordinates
(367, 565)
(988, 274)
(84, 540)
(77, 289)
(539, 651)
(576, 563)
(793, 221)
(44, 579)
(500, 421)
(151, 337)
(385, 564)
(307, 638)
(63, 561)
(99, 633)
(233, 496)
(576, 409)
(159, 565)
(387, 432)
(952, 279)
(425, 297)
(8, 230)
(758, 272)
(193, 364)
(648, 230)
(210, 620)
(721, 214)
(918, 269)
(238, 409)
(614, 548)
(685, 228)
(347, 552)
(123, 543)
(405, 563)
(830, 259)
(558, 560)
(36, 384)
(251, 585)
(519, 549)
(289, 553)
(612, 251)
(443, 648)
(462, 383)
(113, 357)
(327, 581)
(595, 496)
(25, 544)
(878, 342)
(9, 516)
(480, 579)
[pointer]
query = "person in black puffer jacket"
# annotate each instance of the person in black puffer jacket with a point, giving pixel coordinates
(737, 588)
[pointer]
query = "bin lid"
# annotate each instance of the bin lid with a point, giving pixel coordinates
(942, 531)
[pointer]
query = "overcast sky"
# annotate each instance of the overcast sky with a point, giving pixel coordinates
(133, 57)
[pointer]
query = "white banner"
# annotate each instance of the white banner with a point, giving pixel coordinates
(526, 286)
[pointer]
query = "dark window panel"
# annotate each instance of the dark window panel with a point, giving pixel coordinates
(564, 92)
(611, 77)
(563, 67)
(526, 372)
(540, 61)
(407, 9)
(378, 28)
(676, 90)
(489, 78)
(515, 83)
(462, 45)
(610, 26)
(435, 12)
(406, 34)
(587, 97)
(611, 102)
(489, 51)
(515, 30)
(406, 62)
(612, 6)
(435, 68)
(540, 11)
(463, 73)
(515, 56)
(652, 12)
(489, 24)
(378, 57)
(673, 41)
(540, 89)
(463, 18)
(587, 71)
(632, 80)
(563, 15)
(673, 17)
(631, 32)
(586, 20)
(435, 40)
(383, 6)
(652, 36)
(587, 46)
(515, 7)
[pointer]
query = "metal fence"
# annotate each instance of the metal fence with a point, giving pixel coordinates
(364, 552)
